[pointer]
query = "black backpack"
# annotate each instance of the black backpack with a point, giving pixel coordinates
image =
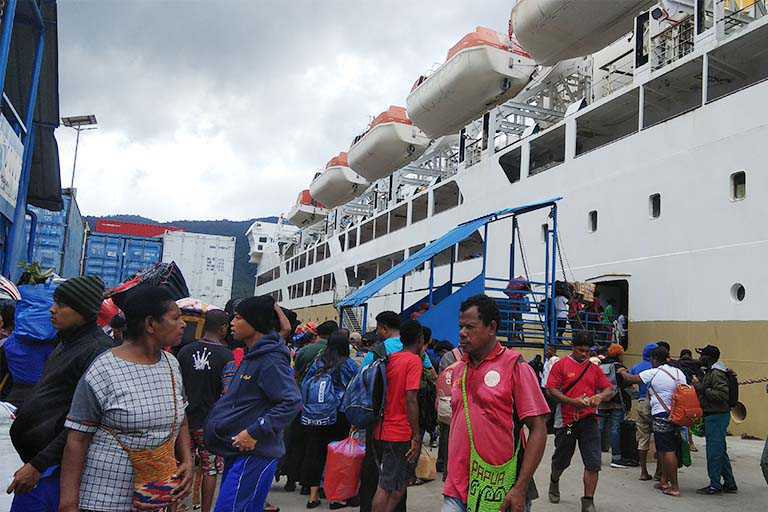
(733, 388)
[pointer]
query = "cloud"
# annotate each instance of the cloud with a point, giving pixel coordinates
(213, 109)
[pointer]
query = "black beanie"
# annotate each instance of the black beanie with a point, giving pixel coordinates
(259, 312)
(83, 294)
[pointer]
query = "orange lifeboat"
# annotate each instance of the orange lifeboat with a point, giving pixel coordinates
(481, 71)
(306, 211)
(391, 142)
(338, 184)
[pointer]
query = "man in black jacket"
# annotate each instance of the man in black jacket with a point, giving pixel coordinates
(38, 432)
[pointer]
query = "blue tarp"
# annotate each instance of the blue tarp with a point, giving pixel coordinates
(456, 235)
(444, 319)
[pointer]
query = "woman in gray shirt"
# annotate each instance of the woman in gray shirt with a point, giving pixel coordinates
(131, 397)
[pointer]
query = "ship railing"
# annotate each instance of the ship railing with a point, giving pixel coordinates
(619, 73)
(674, 43)
(737, 14)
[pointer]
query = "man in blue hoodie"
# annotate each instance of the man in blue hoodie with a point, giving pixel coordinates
(644, 418)
(246, 425)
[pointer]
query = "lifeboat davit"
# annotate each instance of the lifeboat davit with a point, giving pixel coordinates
(390, 143)
(306, 211)
(481, 71)
(338, 184)
(556, 30)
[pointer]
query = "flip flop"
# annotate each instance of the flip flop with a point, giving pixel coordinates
(661, 487)
(669, 492)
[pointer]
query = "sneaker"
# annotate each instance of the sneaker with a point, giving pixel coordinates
(728, 489)
(554, 491)
(588, 505)
(619, 464)
(709, 491)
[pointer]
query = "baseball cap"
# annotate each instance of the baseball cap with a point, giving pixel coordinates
(709, 350)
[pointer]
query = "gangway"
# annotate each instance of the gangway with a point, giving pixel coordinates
(527, 305)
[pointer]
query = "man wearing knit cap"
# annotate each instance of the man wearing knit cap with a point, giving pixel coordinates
(38, 432)
(246, 424)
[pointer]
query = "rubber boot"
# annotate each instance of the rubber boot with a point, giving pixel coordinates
(588, 505)
(554, 491)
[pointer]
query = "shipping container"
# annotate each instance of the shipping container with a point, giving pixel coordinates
(117, 258)
(59, 237)
(118, 227)
(207, 262)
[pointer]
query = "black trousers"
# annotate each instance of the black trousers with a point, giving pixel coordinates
(316, 450)
(442, 448)
(369, 478)
(295, 446)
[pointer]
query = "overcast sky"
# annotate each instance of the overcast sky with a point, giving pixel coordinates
(226, 108)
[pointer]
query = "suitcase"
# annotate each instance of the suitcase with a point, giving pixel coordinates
(628, 439)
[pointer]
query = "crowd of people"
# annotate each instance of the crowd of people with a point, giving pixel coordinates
(119, 423)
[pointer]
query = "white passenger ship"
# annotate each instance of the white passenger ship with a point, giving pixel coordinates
(650, 120)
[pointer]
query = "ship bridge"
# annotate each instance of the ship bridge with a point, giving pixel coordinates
(439, 309)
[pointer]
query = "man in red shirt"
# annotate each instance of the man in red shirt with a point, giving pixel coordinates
(579, 387)
(398, 439)
(502, 395)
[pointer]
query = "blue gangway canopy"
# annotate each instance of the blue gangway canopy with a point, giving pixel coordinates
(454, 236)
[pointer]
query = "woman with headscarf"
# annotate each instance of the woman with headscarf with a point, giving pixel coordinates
(127, 426)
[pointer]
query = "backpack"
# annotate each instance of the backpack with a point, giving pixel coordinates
(321, 399)
(733, 388)
(609, 370)
(363, 402)
(444, 383)
(686, 408)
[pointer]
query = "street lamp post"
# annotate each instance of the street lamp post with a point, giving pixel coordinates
(79, 124)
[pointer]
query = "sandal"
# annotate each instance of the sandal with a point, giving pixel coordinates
(670, 492)
(661, 487)
(268, 507)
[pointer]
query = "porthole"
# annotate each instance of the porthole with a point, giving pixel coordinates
(738, 292)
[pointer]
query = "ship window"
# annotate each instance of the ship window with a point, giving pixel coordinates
(219, 283)
(317, 285)
(303, 260)
(444, 257)
(308, 287)
(311, 256)
(260, 247)
(446, 197)
(398, 217)
(380, 226)
(413, 250)
(673, 93)
(420, 205)
(352, 236)
(471, 247)
(366, 232)
(608, 122)
(352, 278)
(511, 163)
(738, 186)
(592, 226)
(738, 292)
(547, 151)
(732, 67)
(544, 232)
(342, 240)
(654, 206)
(262, 239)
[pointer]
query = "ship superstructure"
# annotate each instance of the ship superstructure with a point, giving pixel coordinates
(655, 139)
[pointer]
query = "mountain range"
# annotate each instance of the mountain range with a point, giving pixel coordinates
(244, 277)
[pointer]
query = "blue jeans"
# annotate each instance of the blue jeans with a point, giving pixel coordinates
(43, 498)
(245, 484)
(718, 465)
(455, 505)
(612, 418)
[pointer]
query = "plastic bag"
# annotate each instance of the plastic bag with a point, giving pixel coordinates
(33, 313)
(342, 469)
(426, 469)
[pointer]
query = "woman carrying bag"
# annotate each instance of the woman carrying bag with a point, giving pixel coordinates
(321, 419)
(128, 446)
